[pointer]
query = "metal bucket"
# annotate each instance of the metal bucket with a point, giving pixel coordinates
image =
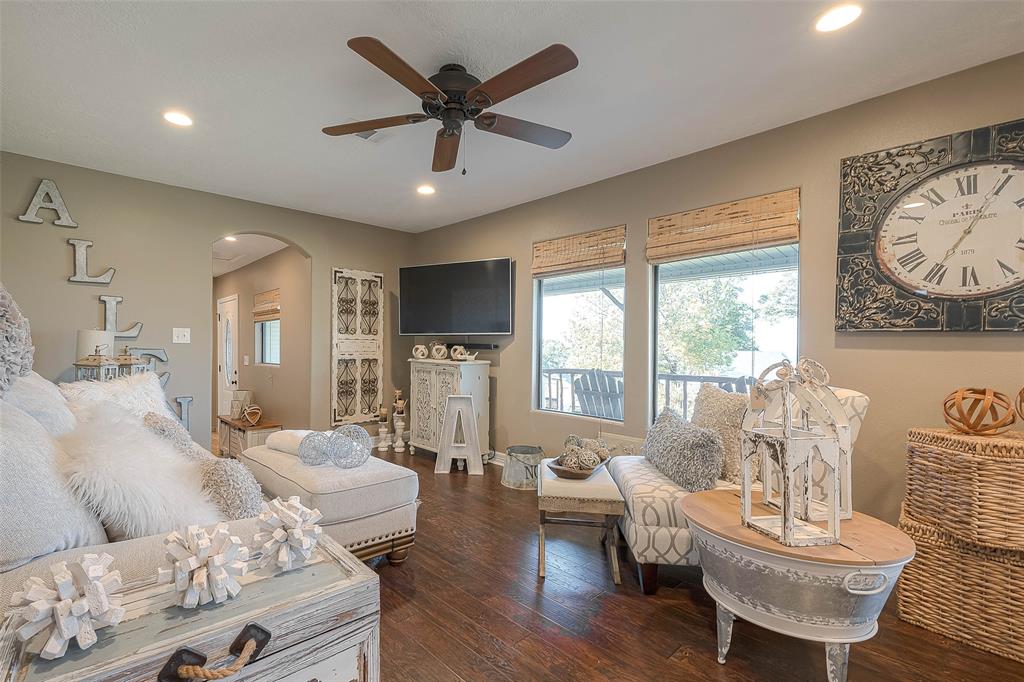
(808, 599)
(521, 463)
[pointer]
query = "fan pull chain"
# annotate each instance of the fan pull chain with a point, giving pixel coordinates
(465, 155)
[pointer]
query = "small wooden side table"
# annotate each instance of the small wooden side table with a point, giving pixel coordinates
(828, 593)
(596, 495)
(237, 435)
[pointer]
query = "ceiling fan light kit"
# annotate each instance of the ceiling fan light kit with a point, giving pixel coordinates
(454, 96)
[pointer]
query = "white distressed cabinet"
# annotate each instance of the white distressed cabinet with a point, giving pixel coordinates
(432, 382)
(357, 345)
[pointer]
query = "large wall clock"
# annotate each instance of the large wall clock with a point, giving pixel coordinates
(931, 234)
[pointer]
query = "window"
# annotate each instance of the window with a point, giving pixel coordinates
(580, 343)
(268, 342)
(723, 319)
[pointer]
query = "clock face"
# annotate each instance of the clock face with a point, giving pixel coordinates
(959, 233)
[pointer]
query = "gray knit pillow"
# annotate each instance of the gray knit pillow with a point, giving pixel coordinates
(689, 455)
(231, 486)
(16, 351)
(722, 412)
(172, 430)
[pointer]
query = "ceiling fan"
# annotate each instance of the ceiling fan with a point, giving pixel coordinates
(453, 97)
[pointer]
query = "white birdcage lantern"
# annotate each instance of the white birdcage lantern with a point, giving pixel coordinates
(95, 367)
(128, 364)
(801, 432)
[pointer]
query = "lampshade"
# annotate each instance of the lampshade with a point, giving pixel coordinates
(88, 339)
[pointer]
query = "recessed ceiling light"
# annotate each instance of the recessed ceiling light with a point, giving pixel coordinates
(231, 239)
(914, 205)
(838, 17)
(178, 118)
(425, 189)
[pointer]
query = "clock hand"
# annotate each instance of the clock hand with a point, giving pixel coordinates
(970, 228)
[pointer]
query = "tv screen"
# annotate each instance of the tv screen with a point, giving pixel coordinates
(456, 298)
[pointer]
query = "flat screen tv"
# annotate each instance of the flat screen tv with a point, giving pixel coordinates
(473, 297)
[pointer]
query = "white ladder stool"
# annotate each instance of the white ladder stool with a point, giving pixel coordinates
(459, 410)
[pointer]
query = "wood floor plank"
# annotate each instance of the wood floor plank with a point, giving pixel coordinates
(468, 605)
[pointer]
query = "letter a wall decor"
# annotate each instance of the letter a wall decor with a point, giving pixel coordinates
(48, 196)
(357, 345)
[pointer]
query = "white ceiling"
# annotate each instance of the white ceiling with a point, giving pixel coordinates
(247, 248)
(85, 83)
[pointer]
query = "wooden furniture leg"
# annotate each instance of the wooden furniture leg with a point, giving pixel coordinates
(540, 545)
(648, 577)
(837, 659)
(397, 556)
(611, 545)
(725, 620)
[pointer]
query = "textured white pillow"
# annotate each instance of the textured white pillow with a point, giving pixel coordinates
(139, 394)
(38, 514)
(134, 480)
(42, 400)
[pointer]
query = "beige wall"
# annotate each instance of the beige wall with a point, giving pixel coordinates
(160, 238)
(905, 374)
(274, 387)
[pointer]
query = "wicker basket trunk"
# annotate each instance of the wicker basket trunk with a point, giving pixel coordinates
(963, 590)
(971, 487)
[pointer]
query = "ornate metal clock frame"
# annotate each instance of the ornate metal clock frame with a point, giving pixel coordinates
(868, 298)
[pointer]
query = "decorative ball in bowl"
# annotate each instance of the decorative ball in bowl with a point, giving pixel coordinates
(577, 462)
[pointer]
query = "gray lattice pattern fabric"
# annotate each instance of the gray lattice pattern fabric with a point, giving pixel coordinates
(658, 545)
(652, 498)
(689, 455)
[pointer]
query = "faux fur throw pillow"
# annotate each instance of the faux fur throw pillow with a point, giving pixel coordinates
(16, 351)
(722, 412)
(687, 454)
(134, 480)
(138, 393)
(176, 435)
(232, 487)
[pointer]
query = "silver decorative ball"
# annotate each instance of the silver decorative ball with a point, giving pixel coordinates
(348, 446)
(313, 449)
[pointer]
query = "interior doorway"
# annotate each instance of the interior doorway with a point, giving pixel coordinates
(227, 351)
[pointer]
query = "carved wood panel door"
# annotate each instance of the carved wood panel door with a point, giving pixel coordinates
(424, 429)
(357, 345)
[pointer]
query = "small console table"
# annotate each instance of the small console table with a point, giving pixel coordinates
(828, 593)
(237, 435)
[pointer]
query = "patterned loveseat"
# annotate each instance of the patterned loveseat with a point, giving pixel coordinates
(653, 524)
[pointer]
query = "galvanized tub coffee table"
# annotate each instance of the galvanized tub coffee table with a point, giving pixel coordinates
(831, 593)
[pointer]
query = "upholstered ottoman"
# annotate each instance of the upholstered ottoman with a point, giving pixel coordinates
(370, 510)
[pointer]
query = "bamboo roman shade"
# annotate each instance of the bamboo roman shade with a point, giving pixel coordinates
(580, 252)
(752, 223)
(267, 306)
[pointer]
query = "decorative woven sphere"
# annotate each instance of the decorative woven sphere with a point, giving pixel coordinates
(573, 441)
(1020, 403)
(978, 411)
(313, 449)
(589, 460)
(570, 459)
(252, 414)
(349, 446)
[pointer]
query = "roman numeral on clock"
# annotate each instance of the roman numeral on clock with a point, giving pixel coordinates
(1020, 202)
(912, 259)
(1020, 244)
(1002, 184)
(935, 275)
(933, 197)
(967, 185)
(907, 216)
(905, 239)
(968, 276)
(1007, 270)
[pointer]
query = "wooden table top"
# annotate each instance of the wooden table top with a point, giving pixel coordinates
(863, 540)
(245, 426)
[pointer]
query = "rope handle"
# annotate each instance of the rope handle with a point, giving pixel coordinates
(198, 672)
(189, 664)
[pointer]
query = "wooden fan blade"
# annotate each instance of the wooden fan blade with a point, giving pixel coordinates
(527, 131)
(446, 151)
(550, 62)
(375, 124)
(378, 54)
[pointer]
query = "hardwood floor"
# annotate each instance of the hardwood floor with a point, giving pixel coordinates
(467, 605)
